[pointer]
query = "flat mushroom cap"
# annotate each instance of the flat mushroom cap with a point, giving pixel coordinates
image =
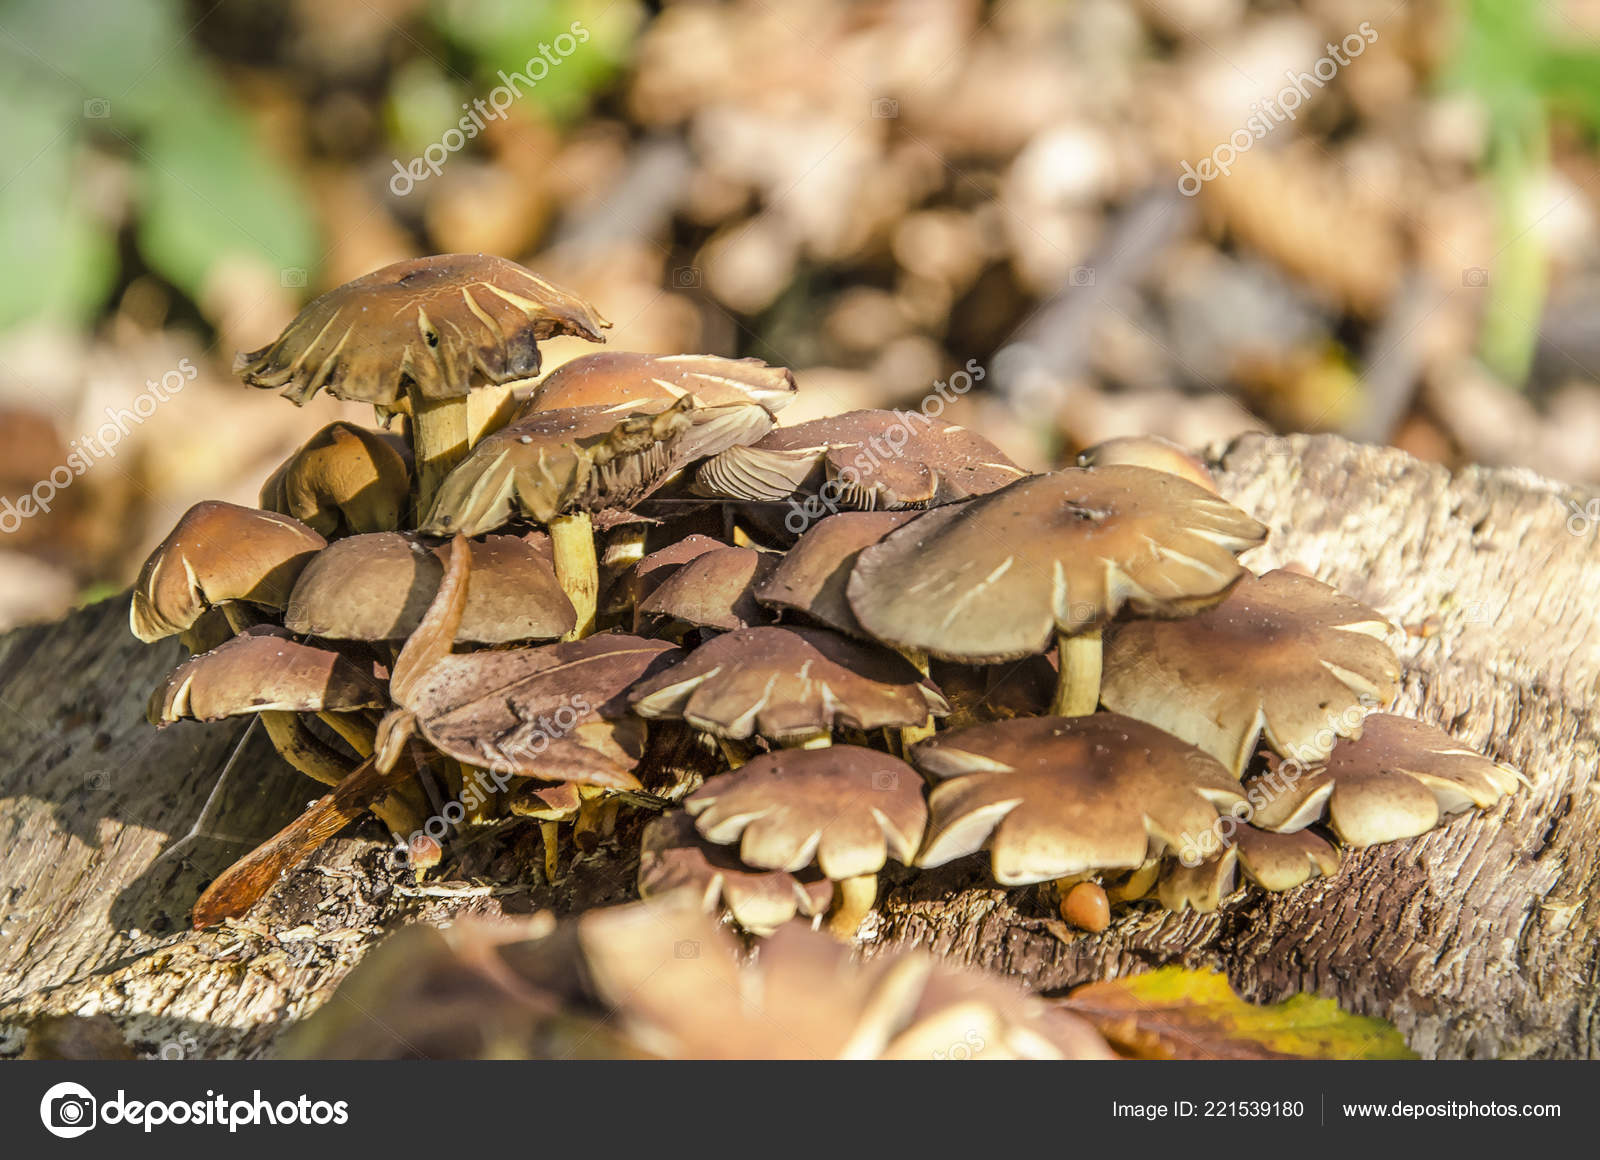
(263, 670)
(638, 582)
(1149, 451)
(865, 460)
(716, 589)
(643, 382)
(547, 463)
(1398, 780)
(376, 587)
(447, 323)
(1201, 887)
(218, 552)
(345, 480)
(674, 856)
(811, 576)
(1283, 861)
(1054, 796)
(1282, 655)
(556, 712)
(847, 808)
(996, 578)
(787, 683)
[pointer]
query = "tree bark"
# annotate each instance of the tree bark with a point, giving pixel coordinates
(1479, 939)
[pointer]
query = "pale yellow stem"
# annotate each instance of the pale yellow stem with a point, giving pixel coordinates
(439, 441)
(1078, 686)
(572, 544)
(852, 902)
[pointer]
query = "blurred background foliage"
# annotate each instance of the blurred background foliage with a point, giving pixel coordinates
(874, 192)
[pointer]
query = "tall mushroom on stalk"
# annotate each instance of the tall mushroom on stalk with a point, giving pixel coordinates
(1060, 799)
(1282, 656)
(846, 808)
(418, 336)
(1052, 556)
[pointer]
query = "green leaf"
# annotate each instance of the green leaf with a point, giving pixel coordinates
(1176, 1013)
(209, 194)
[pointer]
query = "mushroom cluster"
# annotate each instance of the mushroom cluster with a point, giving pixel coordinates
(487, 616)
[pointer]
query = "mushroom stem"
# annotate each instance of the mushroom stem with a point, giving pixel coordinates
(356, 731)
(852, 902)
(550, 834)
(814, 741)
(300, 748)
(586, 830)
(572, 543)
(238, 616)
(1078, 686)
(730, 753)
(439, 441)
(912, 734)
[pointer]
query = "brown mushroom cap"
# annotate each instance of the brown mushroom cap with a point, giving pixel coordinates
(716, 589)
(811, 576)
(674, 856)
(219, 552)
(789, 683)
(1050, 797)
(637, 583)
(345, 480)
(865, 461)
(262, 670)
(376, 587)
(648, 382)
(1283, 656)
(549, 463)
(996, 578)
(1283, 861)
(846, 808)
(1149, 451)
(1400, 778)
(446, 323)
(1201, 887)
(556, 712)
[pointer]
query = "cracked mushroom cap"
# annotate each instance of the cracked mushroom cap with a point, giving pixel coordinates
(1283, 656)
(647, 382)
(344, 481)
(997, 578)
(846, 808)
(376, 587)
(675, 857)
(811, 576)
(1050, 797)
(557, 712)
(447, 323)
(262, 670)
(548, 463)
(219, 552)
(1150, 451)
(789, 683)
(715, 589)
(1400, 778)
(863, 460)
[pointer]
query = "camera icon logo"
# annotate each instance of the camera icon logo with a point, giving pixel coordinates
(1474, 276)
(686, 949)
(292, 278)
(97, 108)
(885, 108)
(1081, 276)
(885, 779)
(68, 1110)
(686, 278)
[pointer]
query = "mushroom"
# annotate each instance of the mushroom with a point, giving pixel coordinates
(263, 673)
(626, 381)
(673, 856)
(791, 685)
(846, 808)
(219, 554)
(1055, 798)
(1149, 451)
(1275, 862)
(810, 577)
(376, 587)
(1400, 778)
(1282, 656)
(716, 590)
(559, 467)
(1055, 555)
(419, 336)
(861, 460)
(344, 481)
(637, 582)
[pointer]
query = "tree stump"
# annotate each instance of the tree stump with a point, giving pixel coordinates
(1479, 939)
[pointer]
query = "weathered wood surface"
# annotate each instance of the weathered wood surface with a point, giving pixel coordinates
(1480, 939)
